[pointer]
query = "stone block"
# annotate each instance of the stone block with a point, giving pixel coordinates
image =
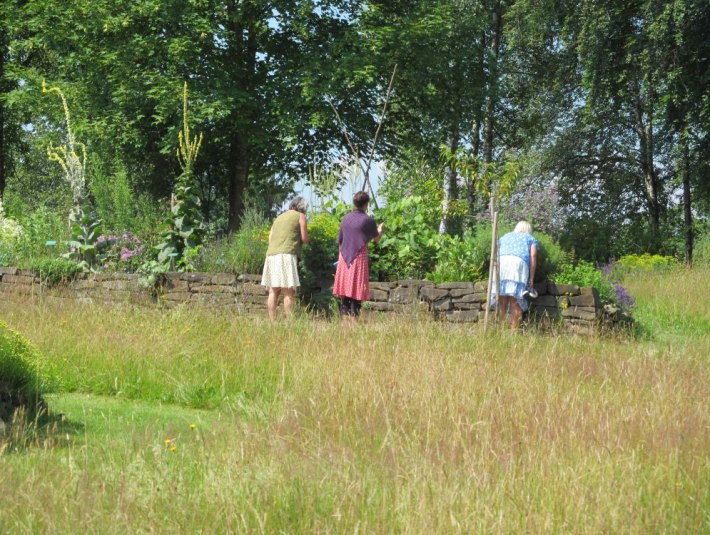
(212, 299)
(404, 294)
(85, 284)
(223, 279)
(175, 284)
(211, 289)
(249, 288)
(455, 286)
(586, 300)
(195, 277)
(545, 301)
(378, 295)
(441, 304)
(475, 297)
(249, 277)
(378, 306)
(24, 280)
(481, 286)
(413, 283)
(27, 272)
(384, 286)
(119, 285)
(8, 271)
(585, 313)
(430, 293)
(458, 305)
(562, 289)
(175, 296)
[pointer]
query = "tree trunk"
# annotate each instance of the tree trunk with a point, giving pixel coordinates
(239, 165)
(3, 50)
(687, 207)
(644, 130)
(492, 93)
(450, 184)
(242, 51)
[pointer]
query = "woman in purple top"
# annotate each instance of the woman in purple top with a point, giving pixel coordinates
(517, 259)
(352, 274)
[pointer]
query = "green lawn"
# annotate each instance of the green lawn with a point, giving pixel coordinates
(191, 421)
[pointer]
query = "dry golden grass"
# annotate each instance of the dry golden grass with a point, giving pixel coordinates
(388, 426)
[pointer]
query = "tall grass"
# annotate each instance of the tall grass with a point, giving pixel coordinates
(386, 426)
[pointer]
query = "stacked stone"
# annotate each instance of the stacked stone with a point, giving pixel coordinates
(579, 308)
(15, 281)
(242, 292)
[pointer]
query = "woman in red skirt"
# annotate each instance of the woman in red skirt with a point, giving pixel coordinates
(353, 272)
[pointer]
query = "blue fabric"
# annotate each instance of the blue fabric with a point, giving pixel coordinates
(517, 244)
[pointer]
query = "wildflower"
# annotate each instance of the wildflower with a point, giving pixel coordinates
(173, 449)
(192, 426)
(168, 441)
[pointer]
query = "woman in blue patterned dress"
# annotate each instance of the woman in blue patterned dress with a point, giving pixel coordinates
(517, 258)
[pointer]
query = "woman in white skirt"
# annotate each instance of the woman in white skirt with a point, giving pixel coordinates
(288, 234)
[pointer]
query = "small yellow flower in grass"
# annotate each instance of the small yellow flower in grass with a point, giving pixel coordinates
(168, 441)
(173, 449)
(193, 426)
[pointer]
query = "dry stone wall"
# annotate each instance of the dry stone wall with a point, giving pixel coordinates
(572, 308)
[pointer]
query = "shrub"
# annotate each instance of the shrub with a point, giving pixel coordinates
(701, 251)
(39, 227)
(462, 258)
(53, 271)
(585, 274)
(22, 379)
(317, 265)
(409, 244)
(551, 257)
(242, 252)
(645, 262)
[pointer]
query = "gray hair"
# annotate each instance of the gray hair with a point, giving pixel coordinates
(299, 204)
(523, 226)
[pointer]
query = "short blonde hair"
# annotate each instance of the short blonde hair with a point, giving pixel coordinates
(523, 226)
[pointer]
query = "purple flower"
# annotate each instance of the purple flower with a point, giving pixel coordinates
(624, 297)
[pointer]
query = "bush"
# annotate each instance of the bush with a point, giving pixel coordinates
(586, 275)
(22, 379)
(462, 258)
(53, 271)
(701, 251)
(243, 251)
(409, 245)
(551, 257)
(317, 265)
(39, 227)
(645, 262)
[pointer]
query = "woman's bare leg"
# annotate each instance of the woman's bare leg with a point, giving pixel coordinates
(289, 300)
(272, 302)
(516, 314)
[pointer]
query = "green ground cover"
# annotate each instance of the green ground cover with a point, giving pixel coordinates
(194, 421)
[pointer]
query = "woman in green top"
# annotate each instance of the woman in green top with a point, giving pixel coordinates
(288, 233)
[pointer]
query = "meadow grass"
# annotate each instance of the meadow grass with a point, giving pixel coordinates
(388, 426)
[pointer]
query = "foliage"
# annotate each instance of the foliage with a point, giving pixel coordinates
(183, 230)
(10, 234)
(409, 242)
(71, 156)
(40, 227)
(85, 248)
(22, 375)
(462, 258)
(551, 257)
(53, 271)
(645, 262)
(122, 252)
(585, 274)
(317, 264)
(241, 252)
(702, 246)
(114, 198)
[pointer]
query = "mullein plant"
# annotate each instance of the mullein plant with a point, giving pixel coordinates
(71, 157)
(183, 230)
